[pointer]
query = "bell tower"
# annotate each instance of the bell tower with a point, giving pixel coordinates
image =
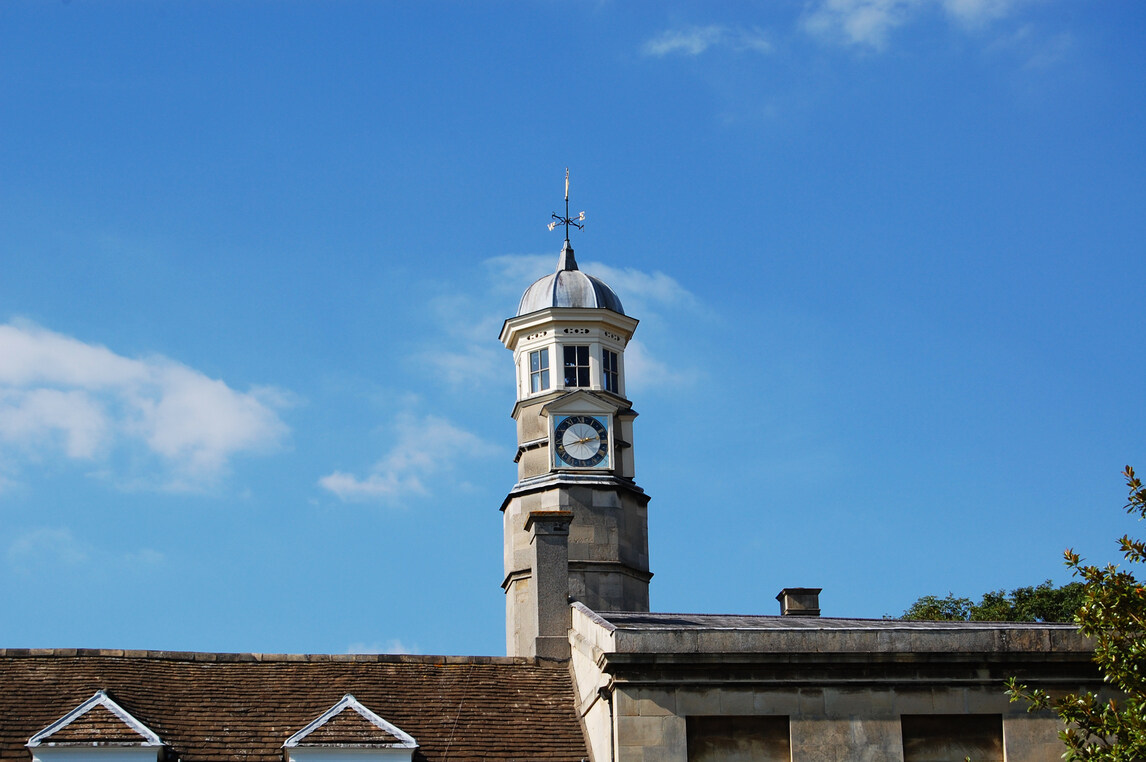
(575, 523)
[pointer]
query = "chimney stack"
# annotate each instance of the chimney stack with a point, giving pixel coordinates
(799, 601)
(549, 561)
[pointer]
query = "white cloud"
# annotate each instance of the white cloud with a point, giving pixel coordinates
(31, 417)
(1049, 52)
(424, 449)
(1036, 51)
(639, 287)
(694, 40)
(512, 273)
(469, 355)
(644, 372)
(46, 548)
(144, 557)
(974, 13)
(860, 22)
(59, 394)
(869, 22)
(393, 646)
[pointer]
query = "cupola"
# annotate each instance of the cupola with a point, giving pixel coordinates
(569, 287)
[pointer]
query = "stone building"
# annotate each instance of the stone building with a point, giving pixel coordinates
(590, 674)
(710, 687)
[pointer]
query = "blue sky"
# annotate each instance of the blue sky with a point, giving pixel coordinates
(887, 256)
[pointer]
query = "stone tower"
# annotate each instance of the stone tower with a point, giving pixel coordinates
(576, 524)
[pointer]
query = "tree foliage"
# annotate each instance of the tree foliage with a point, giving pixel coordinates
(1041, 603)
(1113, 615)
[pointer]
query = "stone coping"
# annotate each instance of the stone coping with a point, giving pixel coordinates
(202, 656)
(638, 633)
(637, 621)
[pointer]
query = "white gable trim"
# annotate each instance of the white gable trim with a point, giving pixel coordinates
(579, 401)
(102, 699)
(349, 702)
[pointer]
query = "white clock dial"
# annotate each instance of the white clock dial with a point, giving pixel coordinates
(581, 441)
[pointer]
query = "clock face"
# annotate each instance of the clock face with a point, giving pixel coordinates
(581, 441)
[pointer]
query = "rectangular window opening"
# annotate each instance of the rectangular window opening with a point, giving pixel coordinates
(610, 376)
(539, 370)
(936, 737)
(577, 366)
(738, 739)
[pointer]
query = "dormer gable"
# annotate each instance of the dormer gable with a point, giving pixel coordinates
(98, 729)
(99, 721)
(348, 731)
(579, 401)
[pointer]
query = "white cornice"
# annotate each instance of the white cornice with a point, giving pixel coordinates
(513, 327)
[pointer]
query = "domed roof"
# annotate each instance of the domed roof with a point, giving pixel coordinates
(568, 287)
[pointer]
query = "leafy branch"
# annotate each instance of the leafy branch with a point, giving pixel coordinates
(1112, 615)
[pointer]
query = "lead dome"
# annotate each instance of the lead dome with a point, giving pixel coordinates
(569, 287)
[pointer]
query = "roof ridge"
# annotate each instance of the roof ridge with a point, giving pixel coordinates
(231, 657)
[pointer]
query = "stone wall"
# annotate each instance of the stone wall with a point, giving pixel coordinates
(825, 724)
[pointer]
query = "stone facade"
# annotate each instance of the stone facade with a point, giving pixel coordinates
(842, 689)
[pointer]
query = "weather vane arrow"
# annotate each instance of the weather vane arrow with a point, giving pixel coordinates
(577, 222)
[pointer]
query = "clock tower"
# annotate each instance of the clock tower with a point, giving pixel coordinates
(576, 523)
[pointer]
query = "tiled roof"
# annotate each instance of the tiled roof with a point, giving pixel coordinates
(243, 707)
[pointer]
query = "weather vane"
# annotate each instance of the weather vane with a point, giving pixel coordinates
(576, 222)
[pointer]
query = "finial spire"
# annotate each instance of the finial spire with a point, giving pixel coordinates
(566, 261)
(577, 222)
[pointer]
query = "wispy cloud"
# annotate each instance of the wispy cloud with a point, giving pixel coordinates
(511, 273)
(1034, 50)
(694, 40)
(868, 23)
(1048, 52)
(637, 287)
(425, 449)
(61, 395)
(974, 13)
(469, 356)
(54, 548)
(860, 22)
(474, 356)
(50, 547)
(644, 372)
(393, 646)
